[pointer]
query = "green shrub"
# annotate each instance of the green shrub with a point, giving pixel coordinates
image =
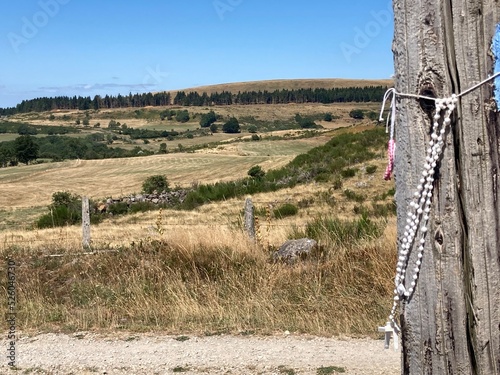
(208, 119)
(357, 114)
(252, 129)
(157, 183)
(348, 172)
(353, 196)
(384, 210)
(287, 209)
(182, 116)
(337, 184)
(59, 216)
(341, 232)
(371, 169)
(255, 137)
(118, 208)
(322, 177)
(256, 172)
(66, 209)
(142, 207)
(231, 126)
(193, 199)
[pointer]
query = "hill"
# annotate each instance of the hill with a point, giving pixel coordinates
(288, 84)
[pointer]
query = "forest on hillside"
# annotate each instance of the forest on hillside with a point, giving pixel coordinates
(193, 98)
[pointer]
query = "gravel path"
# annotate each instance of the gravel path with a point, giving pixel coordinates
(88, 353)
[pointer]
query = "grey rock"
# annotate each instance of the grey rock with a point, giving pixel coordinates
(292, 250)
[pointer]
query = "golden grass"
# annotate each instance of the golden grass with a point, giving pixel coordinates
(289, 84)
(200, 280)
(196, 272)
(33, 185)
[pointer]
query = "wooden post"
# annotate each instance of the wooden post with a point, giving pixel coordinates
(451, 325)
(85, 222)
(249, 223)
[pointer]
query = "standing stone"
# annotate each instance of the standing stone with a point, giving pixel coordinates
(85, 222)
(249, 221)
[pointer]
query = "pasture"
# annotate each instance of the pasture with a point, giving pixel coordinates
(196, 271)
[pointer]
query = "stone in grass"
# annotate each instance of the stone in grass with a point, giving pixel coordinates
(292, 250)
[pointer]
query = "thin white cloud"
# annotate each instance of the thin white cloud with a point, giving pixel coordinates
(99, 86)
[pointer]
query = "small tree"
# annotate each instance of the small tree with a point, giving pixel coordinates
(208, 119)
(252, 129)
(232, 126)
(26, 149)
(213, 128)
(182, 116)
(157, 183)
(357, 114)
(66, 209)
(86, 121)
(328, 117)
(163, 148)
(256, 172)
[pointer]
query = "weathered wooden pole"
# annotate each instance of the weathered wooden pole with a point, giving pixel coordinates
(85, 223)
(451, 323)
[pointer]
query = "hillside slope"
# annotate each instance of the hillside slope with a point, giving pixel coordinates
(289, 84)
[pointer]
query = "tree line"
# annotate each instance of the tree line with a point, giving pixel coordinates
(85, 103)
(325, 96)
(26, 149)
(285, 96)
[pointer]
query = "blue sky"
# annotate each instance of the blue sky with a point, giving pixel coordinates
(90, 47)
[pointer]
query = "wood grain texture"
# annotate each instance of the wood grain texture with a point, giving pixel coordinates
(452, 323)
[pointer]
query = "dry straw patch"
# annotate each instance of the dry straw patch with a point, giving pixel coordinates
(200, 280)
(197, 272)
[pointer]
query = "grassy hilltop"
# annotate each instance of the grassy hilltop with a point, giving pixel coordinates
(194, 270)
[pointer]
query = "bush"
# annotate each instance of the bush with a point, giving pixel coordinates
(371, 169)
(156, 183)
(287, 209)
(256, 172)
(208, 119)
(182, 116)
(58, 217)
(353, 196)
(337, 184)
(328, 117)
(142, 207)
(232, 126)
(255, 137)
(252, 129)
(66, 209)
(348, 172)
(357, 114)
(342, 233)
(213, 128)
(118, 208)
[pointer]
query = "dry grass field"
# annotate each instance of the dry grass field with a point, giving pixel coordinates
(196, 271)
(289, 84)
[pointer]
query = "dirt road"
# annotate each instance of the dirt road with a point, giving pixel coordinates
(88, 353)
